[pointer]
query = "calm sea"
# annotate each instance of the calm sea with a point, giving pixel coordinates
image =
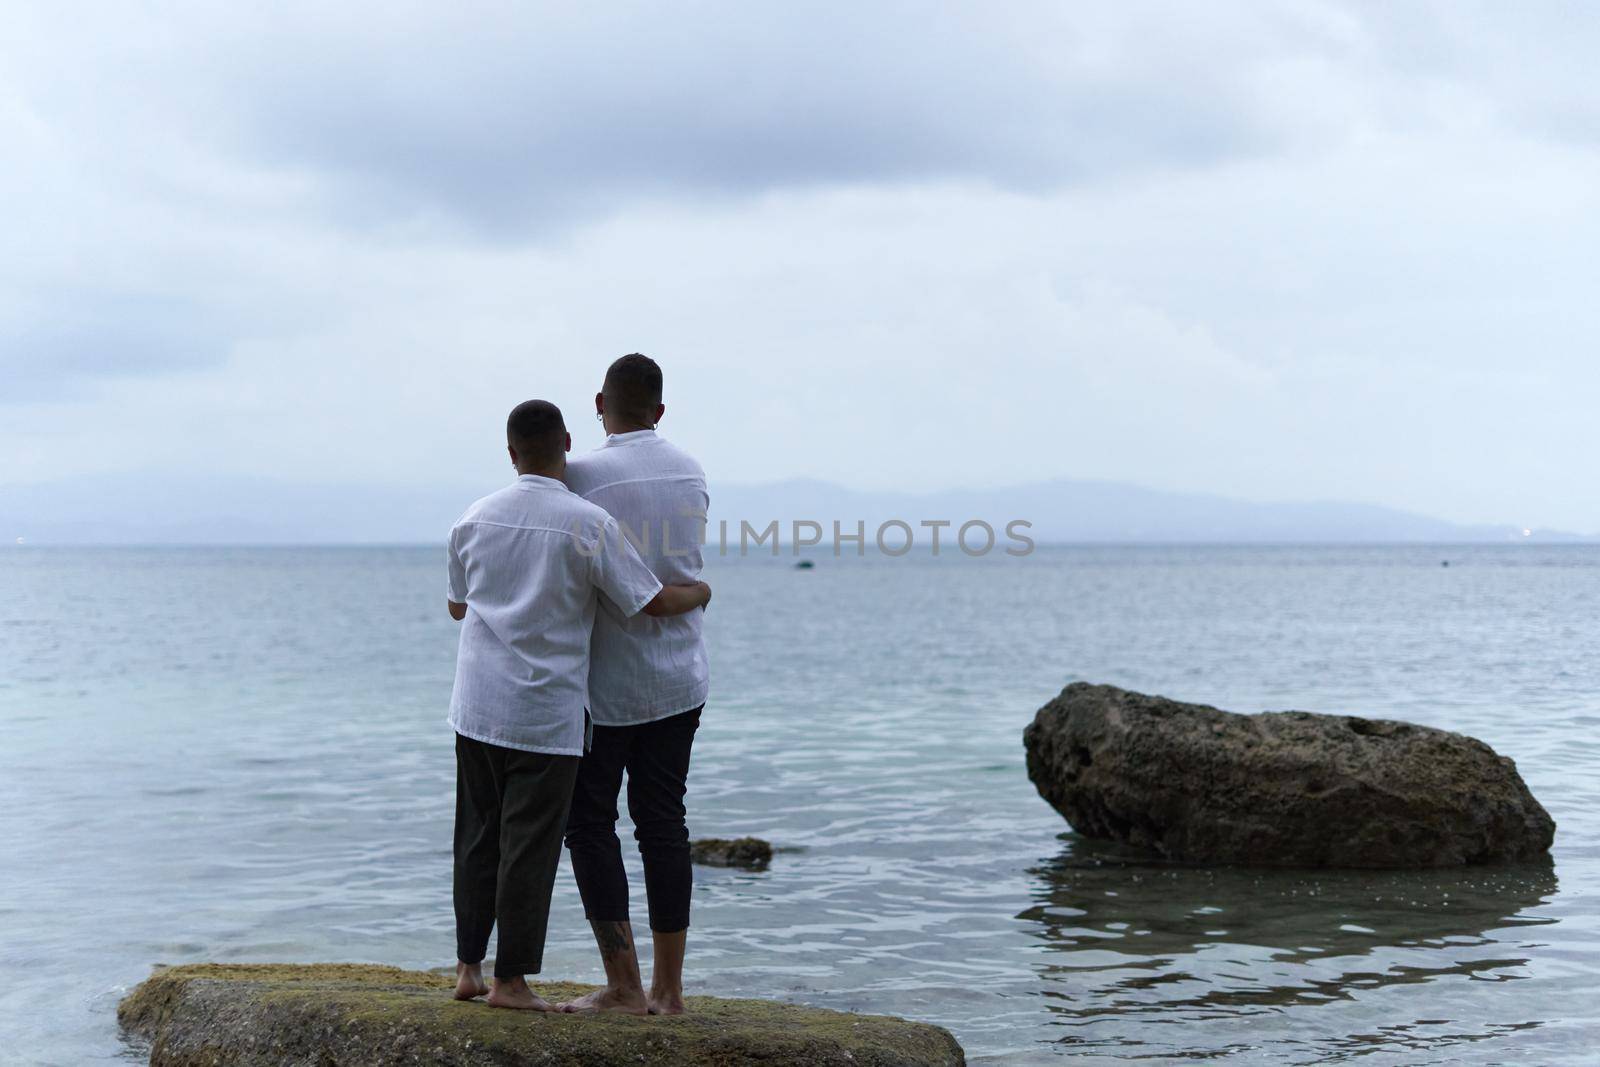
(241, 754)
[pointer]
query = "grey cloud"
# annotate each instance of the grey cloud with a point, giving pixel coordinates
(519, 120)
(535, 121)
(54, 344)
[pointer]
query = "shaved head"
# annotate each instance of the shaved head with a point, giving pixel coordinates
(632, 389)
(538, 433)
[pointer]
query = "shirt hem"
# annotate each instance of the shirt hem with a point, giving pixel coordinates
(602, 719)
(543, 750)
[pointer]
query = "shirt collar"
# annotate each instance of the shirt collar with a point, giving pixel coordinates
(632, 437)
(539, 481)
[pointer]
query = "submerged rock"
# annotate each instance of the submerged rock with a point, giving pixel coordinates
(1288, 788)
(731, 852)
(352, 1015)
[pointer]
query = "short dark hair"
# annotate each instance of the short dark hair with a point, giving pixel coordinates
(633, 387)
(537, 431)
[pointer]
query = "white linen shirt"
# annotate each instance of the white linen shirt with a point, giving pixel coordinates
(641, 668)
(530, 563)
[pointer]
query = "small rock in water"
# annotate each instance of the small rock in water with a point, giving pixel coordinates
(731, 852)
(1280, 789)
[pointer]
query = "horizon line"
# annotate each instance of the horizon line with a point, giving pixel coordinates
(789, 550)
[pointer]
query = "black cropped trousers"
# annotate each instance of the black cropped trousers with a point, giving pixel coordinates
(655, 756)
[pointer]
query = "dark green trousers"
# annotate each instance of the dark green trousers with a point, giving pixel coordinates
(511, 809)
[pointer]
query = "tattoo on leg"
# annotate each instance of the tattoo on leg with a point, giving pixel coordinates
(613, 937)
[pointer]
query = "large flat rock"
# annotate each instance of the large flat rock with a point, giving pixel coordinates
(354, 1015)
(1290, 788)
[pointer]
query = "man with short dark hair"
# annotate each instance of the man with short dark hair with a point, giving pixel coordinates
(648, 680)
(527, 567)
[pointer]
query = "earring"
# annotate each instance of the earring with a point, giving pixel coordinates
(599, 416)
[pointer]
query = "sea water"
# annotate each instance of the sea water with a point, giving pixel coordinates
(240, 754)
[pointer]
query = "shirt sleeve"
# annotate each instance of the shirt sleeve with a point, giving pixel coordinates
(456, 585)
(618, 572)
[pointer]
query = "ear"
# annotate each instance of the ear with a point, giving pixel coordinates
(599, 403)
(568, 446)
(661, 409)
(513, 454)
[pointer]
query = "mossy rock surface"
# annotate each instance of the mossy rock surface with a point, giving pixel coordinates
(356, 1015)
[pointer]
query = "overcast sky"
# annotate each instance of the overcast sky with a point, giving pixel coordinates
(1277, 250)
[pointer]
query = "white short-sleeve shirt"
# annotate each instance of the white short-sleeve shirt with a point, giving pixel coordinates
(531, 562)
(643, 668)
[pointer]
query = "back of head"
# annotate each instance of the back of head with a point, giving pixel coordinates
(537, 431)
(632, 389)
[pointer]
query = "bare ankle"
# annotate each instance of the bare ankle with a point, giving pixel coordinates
(666, 1004)
(469, 981)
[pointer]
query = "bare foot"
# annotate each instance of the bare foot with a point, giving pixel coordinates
(666, 1003)
(469, 981)
(622, 1001)
(514, 993)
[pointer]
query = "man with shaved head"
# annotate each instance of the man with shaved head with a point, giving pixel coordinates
(648, 680)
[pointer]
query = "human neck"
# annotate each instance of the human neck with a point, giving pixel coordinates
(614, 428)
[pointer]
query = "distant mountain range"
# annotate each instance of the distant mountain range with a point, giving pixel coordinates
(148, 509)
(1075, 511)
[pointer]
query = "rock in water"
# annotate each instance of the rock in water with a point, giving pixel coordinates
(350, 1015)
(1285, 788)
(736, 852)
